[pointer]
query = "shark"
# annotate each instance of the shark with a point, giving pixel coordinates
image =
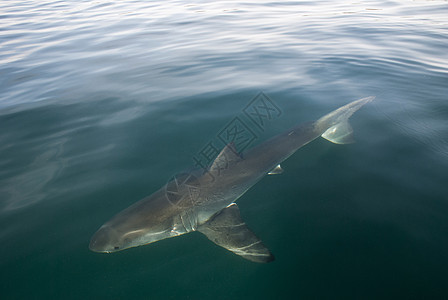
(203, 200)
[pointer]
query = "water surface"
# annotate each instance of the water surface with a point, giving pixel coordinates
(101, 103)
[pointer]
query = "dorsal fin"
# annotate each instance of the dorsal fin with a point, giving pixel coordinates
(228, 157)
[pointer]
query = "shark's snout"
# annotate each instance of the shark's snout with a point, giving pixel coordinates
(102, 241)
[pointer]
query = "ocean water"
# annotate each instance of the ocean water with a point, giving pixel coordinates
(102, 102)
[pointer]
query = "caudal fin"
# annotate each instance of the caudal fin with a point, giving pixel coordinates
(341, 133)
(335, 125)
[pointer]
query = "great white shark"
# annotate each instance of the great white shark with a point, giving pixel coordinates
(204, 200)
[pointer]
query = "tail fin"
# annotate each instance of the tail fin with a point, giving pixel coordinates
(335, 126)
(341, 133)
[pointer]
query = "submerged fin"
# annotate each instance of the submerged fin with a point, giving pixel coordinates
(341, 133)
(277, 170)
(227, 229)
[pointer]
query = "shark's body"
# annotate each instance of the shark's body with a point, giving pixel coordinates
(204, 201)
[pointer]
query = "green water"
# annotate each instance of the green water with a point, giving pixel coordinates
(101, 103)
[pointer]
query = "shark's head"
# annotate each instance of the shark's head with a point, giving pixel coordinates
(110, 239)
(142, 223)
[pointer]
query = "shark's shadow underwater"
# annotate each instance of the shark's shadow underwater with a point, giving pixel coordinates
(205, 201)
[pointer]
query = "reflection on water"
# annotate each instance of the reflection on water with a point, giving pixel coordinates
(155, 51)
(423, 122)
(32, 184)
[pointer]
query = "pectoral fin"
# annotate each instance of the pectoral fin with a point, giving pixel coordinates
(227, 229)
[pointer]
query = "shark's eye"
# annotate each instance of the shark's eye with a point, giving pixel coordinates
(116, 247)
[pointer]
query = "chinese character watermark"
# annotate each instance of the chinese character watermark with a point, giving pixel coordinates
(241, 130)
(262, 109)
(236, 136)
(239, 133)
